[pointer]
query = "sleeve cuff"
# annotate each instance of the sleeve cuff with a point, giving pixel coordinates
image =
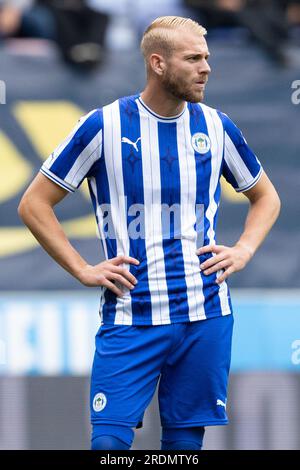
(57, 180)
(253, 182)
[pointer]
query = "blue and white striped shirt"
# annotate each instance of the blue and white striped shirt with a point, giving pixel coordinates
(139, 165)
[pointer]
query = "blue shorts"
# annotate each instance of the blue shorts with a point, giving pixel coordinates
(190, 361)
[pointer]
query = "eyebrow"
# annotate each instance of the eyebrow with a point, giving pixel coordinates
(191, 54)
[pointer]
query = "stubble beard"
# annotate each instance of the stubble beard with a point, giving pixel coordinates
(180, 90)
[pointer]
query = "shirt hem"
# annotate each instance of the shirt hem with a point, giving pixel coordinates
(171, 321)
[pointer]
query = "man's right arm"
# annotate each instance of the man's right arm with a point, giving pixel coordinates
(36, 209)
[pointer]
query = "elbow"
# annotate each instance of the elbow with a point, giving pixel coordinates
(21, 210)
(276, 205)
(24, 208)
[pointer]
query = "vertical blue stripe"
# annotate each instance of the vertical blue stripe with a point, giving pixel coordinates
(203, 175)
(94, 202)
(243, 149)
(134, 192)
(229, 176)
(172, 246)
(217, 197)
(80, 140)
(99, 171)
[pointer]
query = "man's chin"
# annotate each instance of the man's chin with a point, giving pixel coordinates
(196, 97)
(188, 96)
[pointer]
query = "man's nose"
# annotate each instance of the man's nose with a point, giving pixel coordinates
(205, 67)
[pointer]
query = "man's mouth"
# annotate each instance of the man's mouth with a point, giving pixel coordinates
(201, 83)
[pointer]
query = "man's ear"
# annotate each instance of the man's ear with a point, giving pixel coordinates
(157, 64)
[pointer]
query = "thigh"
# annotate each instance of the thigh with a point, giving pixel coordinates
(125, 372)
(193, 384)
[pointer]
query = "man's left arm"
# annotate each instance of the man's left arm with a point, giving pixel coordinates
(263, 212)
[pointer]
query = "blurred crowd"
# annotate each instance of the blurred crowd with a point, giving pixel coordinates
(79, 28)
(268, 22)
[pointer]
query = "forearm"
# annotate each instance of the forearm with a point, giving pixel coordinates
(263, 212)
(43, 224)
(261, 217)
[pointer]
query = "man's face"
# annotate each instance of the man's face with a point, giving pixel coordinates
(186, 70)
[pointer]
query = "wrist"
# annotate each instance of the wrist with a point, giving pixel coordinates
(78, 271)
(247, 248)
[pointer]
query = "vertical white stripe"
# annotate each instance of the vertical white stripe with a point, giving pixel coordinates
(99, 216)
(113, 161)
(236, 164)
(216, 134)
(85, 160)
(100, 227)
(153, 226)
(188, 184)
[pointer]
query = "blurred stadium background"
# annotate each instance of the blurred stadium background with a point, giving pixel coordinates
(54, 68)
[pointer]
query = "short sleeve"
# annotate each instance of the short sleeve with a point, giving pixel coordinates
(241, 167)
(72, 160)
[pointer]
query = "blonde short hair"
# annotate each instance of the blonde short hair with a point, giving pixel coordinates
(157, 37)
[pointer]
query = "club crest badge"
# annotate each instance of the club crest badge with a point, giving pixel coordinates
(99, 402)
(201, 143)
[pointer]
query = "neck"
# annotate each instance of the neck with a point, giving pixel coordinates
(161, 102)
